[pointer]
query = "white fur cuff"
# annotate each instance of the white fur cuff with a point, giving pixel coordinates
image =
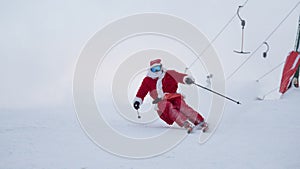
(138, 100)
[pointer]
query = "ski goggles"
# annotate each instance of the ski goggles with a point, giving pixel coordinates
(155, 68)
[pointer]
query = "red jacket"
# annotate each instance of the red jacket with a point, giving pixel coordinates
(169, 82)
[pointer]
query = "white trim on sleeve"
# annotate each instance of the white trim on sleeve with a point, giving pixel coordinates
(138, 99)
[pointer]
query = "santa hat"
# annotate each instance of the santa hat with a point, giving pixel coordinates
(155, 62)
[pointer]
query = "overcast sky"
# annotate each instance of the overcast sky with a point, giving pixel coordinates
(41, 40)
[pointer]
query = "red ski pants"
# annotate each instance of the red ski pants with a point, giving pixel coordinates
(176, 110)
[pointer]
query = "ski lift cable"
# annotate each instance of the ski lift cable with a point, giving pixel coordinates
(264, 75)
(274, 89)
(269, 92)
(264, 54)
(268, 37)
(215, 38)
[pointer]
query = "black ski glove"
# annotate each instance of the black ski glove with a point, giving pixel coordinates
(136, 105)
(189, 80)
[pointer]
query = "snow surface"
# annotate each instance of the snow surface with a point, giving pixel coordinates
(257, 134)
(40, 43)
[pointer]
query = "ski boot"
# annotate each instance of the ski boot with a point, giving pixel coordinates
(203, 126)
(296, 82)
(187, 125)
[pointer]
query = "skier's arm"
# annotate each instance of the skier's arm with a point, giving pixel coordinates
(181, 77)
(142, 92)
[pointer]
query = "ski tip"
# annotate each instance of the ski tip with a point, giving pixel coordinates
(189, 131)
(205, 130)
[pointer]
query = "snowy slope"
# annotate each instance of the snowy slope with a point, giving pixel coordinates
(40, 44)
(258, 134)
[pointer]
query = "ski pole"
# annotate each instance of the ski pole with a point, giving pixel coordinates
(237, 102)
(138, 113)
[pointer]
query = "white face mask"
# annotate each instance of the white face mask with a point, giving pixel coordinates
(159, 72)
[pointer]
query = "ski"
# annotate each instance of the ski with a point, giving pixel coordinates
(190, 130)
(203, 127)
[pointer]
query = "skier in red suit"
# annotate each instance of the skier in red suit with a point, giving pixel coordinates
(162, 86)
